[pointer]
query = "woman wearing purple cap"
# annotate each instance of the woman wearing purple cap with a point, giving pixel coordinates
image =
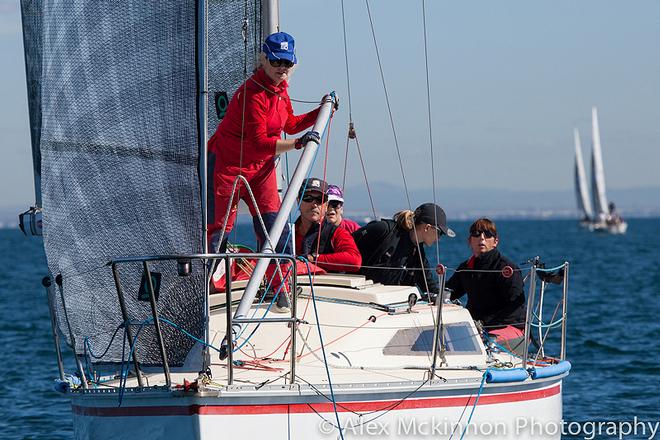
(335, 212)
(249, 137)
(393, 252)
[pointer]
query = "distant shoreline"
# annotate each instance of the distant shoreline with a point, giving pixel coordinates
(244, 220)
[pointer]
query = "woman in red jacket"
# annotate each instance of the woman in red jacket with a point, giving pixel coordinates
(248, 139)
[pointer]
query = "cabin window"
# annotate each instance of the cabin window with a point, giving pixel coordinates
(460, 338)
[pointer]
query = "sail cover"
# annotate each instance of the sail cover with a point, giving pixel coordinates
(581, 191)
(115, 85)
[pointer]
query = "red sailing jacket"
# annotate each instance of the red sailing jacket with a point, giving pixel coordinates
(336, 250)
(267, 113)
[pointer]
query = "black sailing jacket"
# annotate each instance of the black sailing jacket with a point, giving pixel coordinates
(494, 299)
(384, 245)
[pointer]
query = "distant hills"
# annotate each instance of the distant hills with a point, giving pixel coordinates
(460, 203)
(465, 204)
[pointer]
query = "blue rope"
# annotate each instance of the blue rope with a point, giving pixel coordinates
(481, 387)
(124, 374)
(502, 348)
(185, 332)
(552, 269)
(541, 324)
(325, 359)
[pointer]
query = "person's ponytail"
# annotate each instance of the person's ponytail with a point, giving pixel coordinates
(405, 220)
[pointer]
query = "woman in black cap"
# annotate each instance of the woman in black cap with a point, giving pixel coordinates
(392, 251)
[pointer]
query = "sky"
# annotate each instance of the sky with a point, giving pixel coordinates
(509, 80)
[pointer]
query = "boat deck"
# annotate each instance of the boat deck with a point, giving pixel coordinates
(370, 335)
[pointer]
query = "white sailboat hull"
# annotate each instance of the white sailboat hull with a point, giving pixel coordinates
(530, 409)
(611, 228)
(378, 382)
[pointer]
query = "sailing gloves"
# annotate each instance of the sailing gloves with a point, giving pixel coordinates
(309, 136)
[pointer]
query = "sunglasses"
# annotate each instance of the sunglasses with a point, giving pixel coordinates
(308, 198)
(335, 204)
(281, 63)
(487, 234)
(438, 230)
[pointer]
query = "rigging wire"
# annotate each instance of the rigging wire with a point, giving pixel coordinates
(389, 107)
(428, 105)
(396, 141)
(366, 181)
(348, 77)
(348, 84)
(351, 125)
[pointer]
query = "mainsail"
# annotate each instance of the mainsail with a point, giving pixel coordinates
(597, 171)
(581, 191)
(114, 90)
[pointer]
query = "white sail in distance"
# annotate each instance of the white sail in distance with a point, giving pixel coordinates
(597, 172)
(581, 190)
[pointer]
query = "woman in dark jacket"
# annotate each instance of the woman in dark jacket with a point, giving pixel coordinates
(493, 284)
(393, 252)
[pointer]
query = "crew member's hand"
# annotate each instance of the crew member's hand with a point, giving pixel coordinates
(328, 96)
(440, 269)
(309, 136)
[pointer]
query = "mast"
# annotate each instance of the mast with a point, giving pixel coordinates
(270, 17)
(583, 201)
(202, 121)
(597, 171)
(270, 23)
(202, 111)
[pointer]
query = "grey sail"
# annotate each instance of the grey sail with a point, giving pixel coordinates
(116, 87)
(581, 189)
(32, 18)
(597, 172)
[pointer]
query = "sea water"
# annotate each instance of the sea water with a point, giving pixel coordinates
(613, 324)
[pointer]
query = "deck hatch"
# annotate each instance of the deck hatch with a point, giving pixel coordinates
(460, 338)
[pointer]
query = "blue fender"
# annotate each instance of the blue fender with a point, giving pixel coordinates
(550, 370)
(506, 375)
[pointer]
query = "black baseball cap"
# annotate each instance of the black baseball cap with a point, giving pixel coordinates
(313, 184)
(434, 215)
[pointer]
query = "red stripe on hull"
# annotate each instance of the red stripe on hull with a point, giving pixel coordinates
(301, 408)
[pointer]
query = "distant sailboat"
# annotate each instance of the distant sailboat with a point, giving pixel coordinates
(603, 217)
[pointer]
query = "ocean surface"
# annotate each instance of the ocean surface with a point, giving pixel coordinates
(613, 325)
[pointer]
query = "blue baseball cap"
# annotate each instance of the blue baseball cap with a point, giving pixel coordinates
(280, 46)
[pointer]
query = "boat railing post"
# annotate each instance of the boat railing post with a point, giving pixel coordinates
(230, 350)
(438, 328)
(540, 319)
(294, 323)
(47, 282)
(127, 323)
(159, 335)
(81, 370)
(564, 311)
(530, 308)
